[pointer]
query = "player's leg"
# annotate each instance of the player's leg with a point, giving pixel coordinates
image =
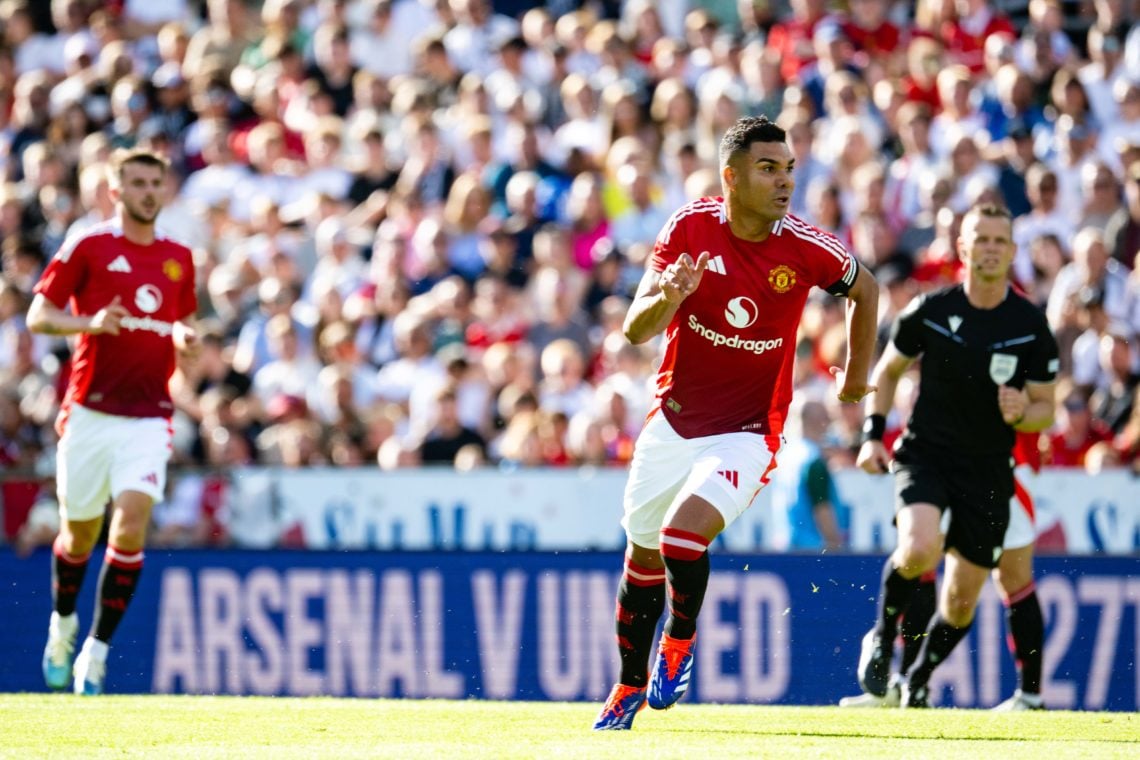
(685, 540)
(728, 472)
(123, 561)
(918, 551)
(122, 566)
(1014, 578)
(915, 620)
(923, 605)
(660, 461)
(83, 487)
(71, 551)
(640, 602)
(961, 586)
(138, 477)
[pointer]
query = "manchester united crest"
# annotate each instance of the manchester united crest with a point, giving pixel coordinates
(782, 278)
(172, 269)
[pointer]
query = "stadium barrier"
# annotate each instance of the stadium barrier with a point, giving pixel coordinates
(539, 626)
(574, 509)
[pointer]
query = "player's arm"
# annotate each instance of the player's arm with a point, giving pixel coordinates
(873, 456)
(660, 295)
(1030, 410)
(862, 322)
(45, 317)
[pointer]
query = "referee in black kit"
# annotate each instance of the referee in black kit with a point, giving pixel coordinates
(989, 363)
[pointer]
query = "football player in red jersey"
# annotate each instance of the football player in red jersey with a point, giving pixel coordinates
(128, 293)
(727, 284)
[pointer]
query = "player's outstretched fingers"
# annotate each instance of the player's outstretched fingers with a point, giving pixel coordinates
(702, 262)
(694, 270)
(684, 274)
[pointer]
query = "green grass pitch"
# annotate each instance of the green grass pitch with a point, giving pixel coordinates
(65, 726)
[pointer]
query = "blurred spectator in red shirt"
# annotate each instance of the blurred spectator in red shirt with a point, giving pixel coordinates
(965, 36)
(792, 39)
(923, 62)
(870, 32)
(1077, 431)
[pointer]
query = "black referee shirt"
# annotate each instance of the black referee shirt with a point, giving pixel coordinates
(966, 354)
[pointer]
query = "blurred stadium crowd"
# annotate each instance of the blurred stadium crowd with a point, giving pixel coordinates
(417, 223)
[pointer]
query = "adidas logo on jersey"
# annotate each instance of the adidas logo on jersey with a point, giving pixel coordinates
(120, 264)
(716, 264)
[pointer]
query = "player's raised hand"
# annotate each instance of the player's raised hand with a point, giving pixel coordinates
(873, 458)
(682, 277)
(1012, 403)
(850, 391)
(109, 319)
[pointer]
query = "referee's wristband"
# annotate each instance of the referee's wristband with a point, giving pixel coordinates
(874, 427)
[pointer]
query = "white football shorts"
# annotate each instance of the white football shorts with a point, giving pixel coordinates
(726, 470)
(1022, 528)
(102, 455)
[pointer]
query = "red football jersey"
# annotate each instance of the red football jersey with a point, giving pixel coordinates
(1027, 451)
(125, 374)
(730, 347)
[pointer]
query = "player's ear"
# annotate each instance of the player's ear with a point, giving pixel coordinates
(728, 176)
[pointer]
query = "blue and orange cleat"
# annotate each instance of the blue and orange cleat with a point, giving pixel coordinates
(620, 709)
(671, 671)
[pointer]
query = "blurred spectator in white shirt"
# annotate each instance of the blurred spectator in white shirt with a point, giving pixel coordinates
(472, 42)
(290, 373)
(1104, 70)
(1092, 268)
(563, 387)
(1045, 218)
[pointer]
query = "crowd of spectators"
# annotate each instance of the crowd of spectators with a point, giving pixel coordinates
(417, 224)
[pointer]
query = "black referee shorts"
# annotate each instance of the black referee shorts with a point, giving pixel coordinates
(977, 492)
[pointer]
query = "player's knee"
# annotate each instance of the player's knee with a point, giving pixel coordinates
(78, 539)
(959, 616)
(958, 609)
(128, 533)
(644, 556)
(917, 556)
(76, 543)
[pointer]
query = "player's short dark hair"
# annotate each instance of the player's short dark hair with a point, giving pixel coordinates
(120, 158)
(744, 132)
(990, 210)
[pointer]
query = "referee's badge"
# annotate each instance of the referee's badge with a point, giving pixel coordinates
(1002, 368)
